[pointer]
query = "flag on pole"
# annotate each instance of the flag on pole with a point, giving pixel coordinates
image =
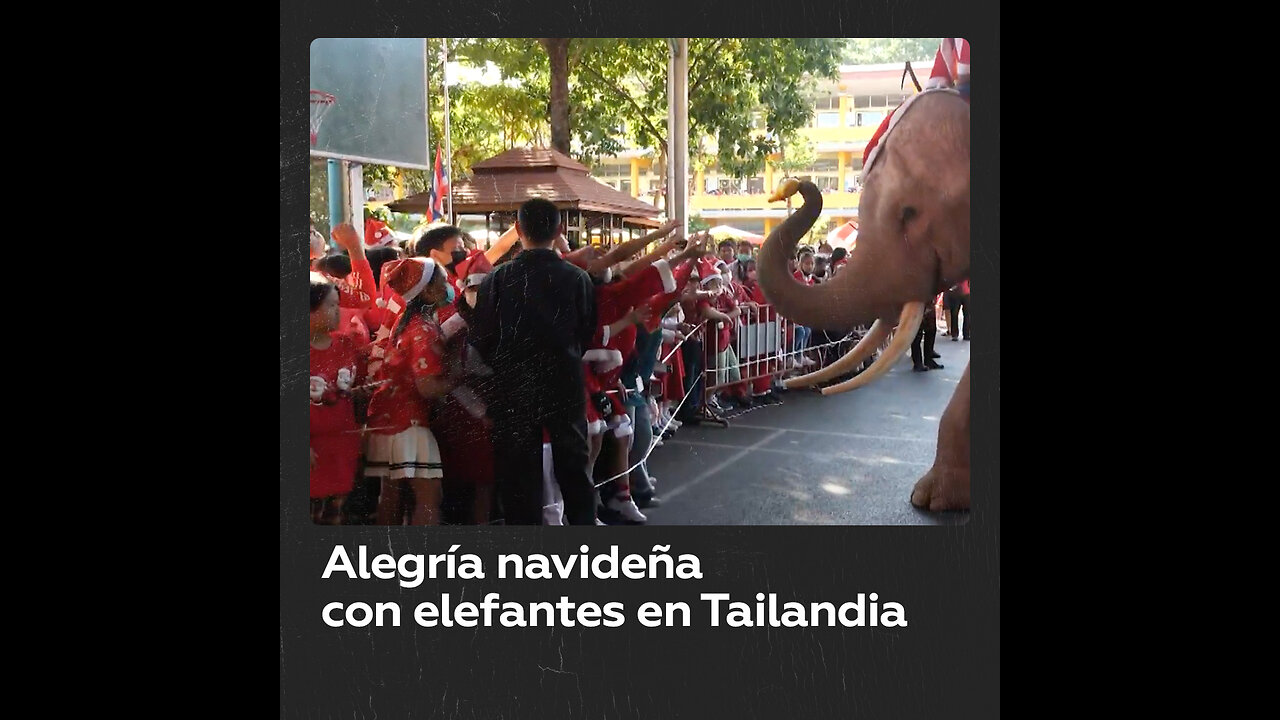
(439, 188)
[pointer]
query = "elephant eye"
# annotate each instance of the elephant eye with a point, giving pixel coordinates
(908, 214)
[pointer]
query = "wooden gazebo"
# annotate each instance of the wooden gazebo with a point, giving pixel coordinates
(502, 183)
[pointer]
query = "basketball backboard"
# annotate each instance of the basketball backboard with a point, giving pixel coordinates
(379, 115)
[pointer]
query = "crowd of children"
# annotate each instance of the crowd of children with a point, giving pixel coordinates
(401, 421)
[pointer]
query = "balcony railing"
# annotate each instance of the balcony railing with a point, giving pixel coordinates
(760, 201)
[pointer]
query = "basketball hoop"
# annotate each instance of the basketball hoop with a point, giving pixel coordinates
(321, 102)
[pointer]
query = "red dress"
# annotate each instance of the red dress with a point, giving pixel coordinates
(335, 439)
(417, 353)
(465, 446)
(765, 365)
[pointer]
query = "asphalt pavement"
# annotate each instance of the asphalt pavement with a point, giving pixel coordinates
(849, 459)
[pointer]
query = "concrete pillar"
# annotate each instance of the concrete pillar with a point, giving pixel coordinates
(768, 226)
(635, 177)
(843, 157)
(678, 130)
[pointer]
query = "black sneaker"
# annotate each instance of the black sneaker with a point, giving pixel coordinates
(954, 338)
(936, 356)
(919, 368)
(934, 366)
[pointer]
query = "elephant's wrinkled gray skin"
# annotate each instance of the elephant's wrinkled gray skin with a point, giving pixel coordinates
(913, 243)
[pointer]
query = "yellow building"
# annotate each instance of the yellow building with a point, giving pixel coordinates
(846, 114)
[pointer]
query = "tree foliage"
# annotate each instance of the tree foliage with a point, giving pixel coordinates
(747, 99)
(870, 51)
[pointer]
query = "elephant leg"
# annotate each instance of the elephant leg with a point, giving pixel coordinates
(946, 485)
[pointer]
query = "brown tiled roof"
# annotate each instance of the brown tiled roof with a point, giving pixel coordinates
(530, 158)
(503, 182)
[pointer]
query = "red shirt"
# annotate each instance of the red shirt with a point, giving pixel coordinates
(614, 301)
(357, 289)
(417, 353)
(351, 323)
(800, 276)
(724, 302)
(337, 369)
(660, 304)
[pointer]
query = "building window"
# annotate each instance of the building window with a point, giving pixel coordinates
(827, 164)
(869, 119)
(828, 120)
(654, 183)
(755, 185)
(625, 186)
(827, 183)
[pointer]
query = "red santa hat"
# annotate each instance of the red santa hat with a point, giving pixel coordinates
(707, 271)
(377, 234)
(409, 277)
(962, 59)
(943, 74)
(473, 270)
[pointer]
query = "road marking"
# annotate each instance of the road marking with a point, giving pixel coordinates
(805, 453)
(827, 432)
(667, 495)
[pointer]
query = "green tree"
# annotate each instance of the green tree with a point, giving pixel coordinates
(869, 51)
(797, 155)
(617, 91)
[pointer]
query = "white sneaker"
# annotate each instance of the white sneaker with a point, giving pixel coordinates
(675, 424)
(627, 509)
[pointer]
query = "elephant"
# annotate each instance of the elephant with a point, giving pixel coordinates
(913, 243)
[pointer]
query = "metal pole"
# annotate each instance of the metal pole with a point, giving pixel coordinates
(355, 213)
(426, 103)
(678, 130)
(335, 194)
(448, 142)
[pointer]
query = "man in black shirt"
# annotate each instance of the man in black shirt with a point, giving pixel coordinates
(534, 318)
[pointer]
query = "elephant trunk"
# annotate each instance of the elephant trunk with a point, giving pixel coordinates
(838, 304)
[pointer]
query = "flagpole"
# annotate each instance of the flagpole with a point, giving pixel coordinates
(448, 143)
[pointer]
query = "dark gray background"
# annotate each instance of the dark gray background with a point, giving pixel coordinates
(946, 663)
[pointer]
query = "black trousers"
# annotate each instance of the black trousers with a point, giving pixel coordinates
(954, 304)
(692, 350)
(517, 464)
(925, 336)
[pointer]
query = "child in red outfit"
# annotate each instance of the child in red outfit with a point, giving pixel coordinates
(459, 421)
(336, 368)
(403, 451)
(619, 307)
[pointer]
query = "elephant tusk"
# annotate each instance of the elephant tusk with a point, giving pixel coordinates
(867, 345)
(908, 326)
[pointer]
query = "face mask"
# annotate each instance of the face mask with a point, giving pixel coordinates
(458, 256)
(743, 257)
(448, 297)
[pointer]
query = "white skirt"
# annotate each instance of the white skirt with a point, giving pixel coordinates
(410, 454)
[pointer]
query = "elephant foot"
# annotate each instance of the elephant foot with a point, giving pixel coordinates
(942, 488)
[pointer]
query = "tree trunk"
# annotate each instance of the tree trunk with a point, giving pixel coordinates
(558, 51)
